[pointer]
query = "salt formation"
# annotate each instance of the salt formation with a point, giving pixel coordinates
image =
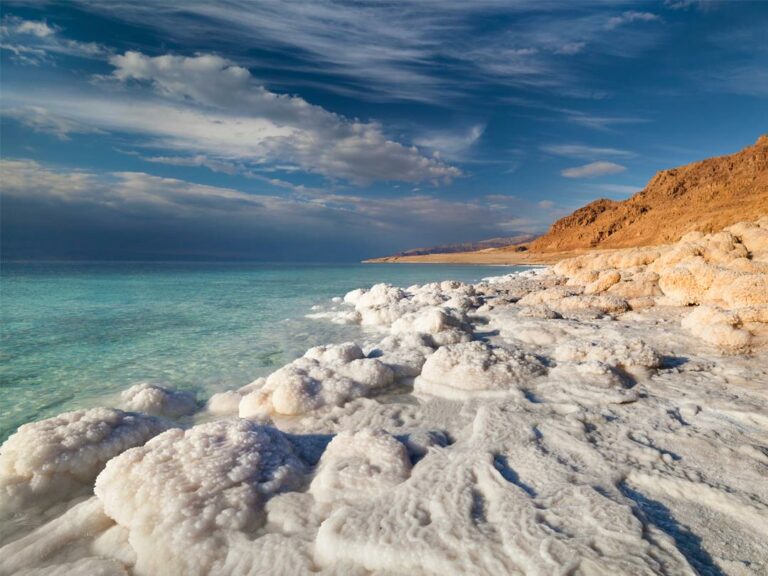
(159, 401)
(606, 415)
(359, 466)
(476, 369)
(507, 501)
(56, 459)
(227, 403)
(324, 376)
(184, 494)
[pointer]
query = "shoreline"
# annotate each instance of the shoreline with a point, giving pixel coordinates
(498, 257)
(559, 408)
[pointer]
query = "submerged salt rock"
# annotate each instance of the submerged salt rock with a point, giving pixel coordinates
(343, 353)
(227, 403)
(158, 401)
(359, 466)
(477, 369)
(57, 458)
(185, 493)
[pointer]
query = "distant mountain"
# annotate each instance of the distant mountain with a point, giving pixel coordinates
(706, 196)
(503, 242)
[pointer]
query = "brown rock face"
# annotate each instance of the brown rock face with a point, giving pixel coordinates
(706, 196)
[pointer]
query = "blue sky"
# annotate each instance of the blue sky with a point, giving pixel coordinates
(325, 130)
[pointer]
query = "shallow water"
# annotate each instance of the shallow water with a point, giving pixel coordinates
(74, 333)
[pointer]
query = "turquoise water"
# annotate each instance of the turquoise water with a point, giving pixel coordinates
(75, 333)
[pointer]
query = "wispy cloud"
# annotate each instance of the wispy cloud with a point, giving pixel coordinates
(34, 41)
(401, 50)
(248, 223)
(206, 105)
(584, 152)
(630, 17)
(452, 145)
(621, 190)
(601, 123)
(41, 120)
(593, 170)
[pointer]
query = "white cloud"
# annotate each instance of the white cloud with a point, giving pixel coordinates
(631, 16)
(206, 105)
(32, 41)
(41, 120)
(169, 199)
(593, 170)
(400, 50)
(584, 151)
(39, 29)
(600, 123)
(546, 204)
(451, 145)
(620, 190)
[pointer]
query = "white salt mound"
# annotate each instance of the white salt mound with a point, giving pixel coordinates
(477, 369)
(324, 376)
(359, 466)
(54, 459)
(158, 401)
(183, 494)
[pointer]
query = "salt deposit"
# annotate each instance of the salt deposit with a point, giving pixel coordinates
(154, 399)
(55, 459)
(182, 494)
(477, 369)
(606, 415)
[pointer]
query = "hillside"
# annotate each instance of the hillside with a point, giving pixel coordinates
(706, 196)
(470, 246)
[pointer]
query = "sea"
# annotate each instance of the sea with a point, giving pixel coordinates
(73, 335)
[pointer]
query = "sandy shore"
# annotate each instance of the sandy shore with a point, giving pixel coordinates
(498, 256)
(606, 414)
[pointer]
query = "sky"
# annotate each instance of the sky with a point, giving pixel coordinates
(339, 130)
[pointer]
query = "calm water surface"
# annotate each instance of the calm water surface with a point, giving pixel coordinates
(73, 334)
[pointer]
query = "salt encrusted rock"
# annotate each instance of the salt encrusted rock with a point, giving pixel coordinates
(477, 369)
(158, 401)
(443, 326)
(57, 458)
(624, 353)
(186, 493)
(359, 466)
(605, 279)
(721, 328)
(405, 354)
(550, 296)
(437, 309)
(539, 311)
(324, 376)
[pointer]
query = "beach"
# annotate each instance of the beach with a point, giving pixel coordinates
(605, 414)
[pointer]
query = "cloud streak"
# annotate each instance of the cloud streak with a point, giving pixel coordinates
(33, 42)
(125, 209)
(593, 170)
(206, 105)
